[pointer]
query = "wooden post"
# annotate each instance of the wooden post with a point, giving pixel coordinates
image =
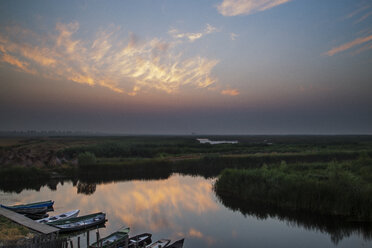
(78, 241)
(126, 242)
(99, 244)
(88, 238)
(72, 246)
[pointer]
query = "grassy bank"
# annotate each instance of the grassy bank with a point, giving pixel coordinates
(332, 188)
(11, 231)
(32, 160)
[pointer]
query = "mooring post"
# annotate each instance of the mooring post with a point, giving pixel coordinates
(72, 246)
(126, 241)
(78, 241)
(88, 238)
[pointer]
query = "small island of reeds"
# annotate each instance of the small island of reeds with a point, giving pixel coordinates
(329, 188)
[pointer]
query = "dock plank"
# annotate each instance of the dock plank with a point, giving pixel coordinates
(27, 222)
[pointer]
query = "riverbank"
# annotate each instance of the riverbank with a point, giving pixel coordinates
(333, 188)
(31, 162)
(12, 233)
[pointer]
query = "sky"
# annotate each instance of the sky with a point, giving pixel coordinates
(185, 66)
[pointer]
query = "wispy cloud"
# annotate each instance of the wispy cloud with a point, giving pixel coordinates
(194, 233)
(175, 33)
(246, 7)
(357, 11)
(230, 92)
(364, 17)
(124, 67)
(360, 14)
(363, 49)
(233, 36)
(24, 66)
(349, 45)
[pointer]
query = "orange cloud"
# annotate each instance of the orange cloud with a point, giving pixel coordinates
(106, 61)
(246, 7)
(146, 206)
(195, 233)
(78, 78)
(144, 203)
(14, 61)
(349, 45)
(230, 92)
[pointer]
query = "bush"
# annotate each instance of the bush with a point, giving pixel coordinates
(86, 158)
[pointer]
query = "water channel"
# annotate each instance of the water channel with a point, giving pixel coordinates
(187, 206)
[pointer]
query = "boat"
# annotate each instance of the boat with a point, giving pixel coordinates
(139, 240)
(31, 208)
(159, 244)
(37, 216)
(63, 216)
(32, 211)
(30, 205)
(177, 244)
(114, 239)
(78, 223)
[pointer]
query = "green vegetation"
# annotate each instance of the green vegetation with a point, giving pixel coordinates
(332, 188)
(10, 231)
(86, 159)
(37, 159)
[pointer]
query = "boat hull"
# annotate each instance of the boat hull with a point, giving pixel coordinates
(64, 216)
(32, 211)
(140, 240)
(113, 240)
(79, 223)
(177, 244)
(159, 244)
(35, 205)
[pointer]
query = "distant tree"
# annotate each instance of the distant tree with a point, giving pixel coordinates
(86, 158)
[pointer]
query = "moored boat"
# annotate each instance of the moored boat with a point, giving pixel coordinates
(64, 216)
(139, 240)
(31, 205)
(114, 239)
(177, 244)
(78, 223)
(31, 211)
(37, 216)
(159, 244)
(31, 208)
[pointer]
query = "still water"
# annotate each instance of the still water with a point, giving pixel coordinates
(186, 206)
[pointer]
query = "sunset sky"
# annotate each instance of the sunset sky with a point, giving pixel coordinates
(181, 67)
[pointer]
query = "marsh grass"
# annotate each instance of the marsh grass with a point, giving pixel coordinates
(331, 188)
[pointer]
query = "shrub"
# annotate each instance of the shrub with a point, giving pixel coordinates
(86, 158)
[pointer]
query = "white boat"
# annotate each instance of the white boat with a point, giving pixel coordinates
(63, 216)
(159, 244)
(78, 223)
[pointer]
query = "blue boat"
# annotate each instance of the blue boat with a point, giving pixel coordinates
(31, 208)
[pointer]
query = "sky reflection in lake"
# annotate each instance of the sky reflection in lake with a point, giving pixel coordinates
(180, 206)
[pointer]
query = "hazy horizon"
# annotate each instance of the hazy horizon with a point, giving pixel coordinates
(248, 67)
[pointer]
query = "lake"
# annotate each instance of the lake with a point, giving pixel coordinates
(187, 206)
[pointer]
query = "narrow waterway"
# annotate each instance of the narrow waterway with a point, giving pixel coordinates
(186, 206)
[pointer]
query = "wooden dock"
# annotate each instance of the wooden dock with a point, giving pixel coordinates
(27, 222)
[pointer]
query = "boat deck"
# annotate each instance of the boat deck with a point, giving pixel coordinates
(27, 222)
